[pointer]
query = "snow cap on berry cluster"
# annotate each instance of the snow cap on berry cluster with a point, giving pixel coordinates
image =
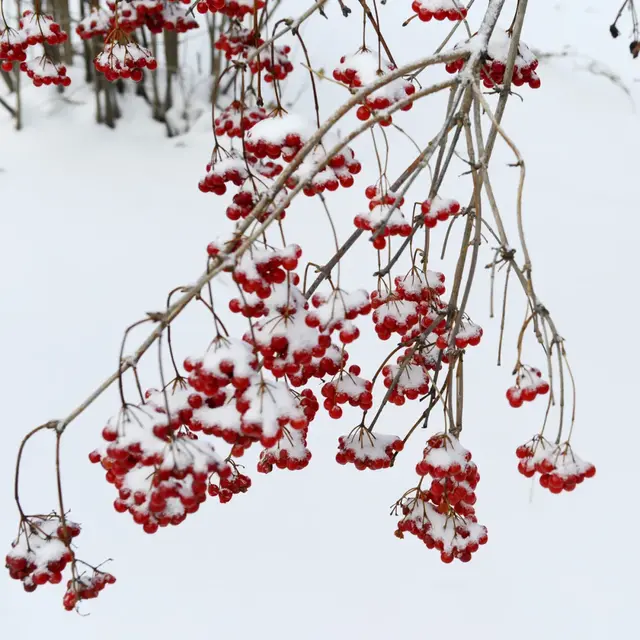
(439, 10)
(367, 450)
(290, 452)
(97, 23)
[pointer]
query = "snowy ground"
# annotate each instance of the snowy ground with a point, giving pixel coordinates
(86, 250)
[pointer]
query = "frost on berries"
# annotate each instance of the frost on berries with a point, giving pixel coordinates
(442, 514)
(560, 469)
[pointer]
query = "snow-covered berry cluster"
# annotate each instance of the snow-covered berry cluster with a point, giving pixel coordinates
(237, 118)
(12, 47)
(124, 61)
(231, 169)
(97, 24)
(492, 72)
(367, 450)
(439, 10)
(559, 467)
(438, 210)
(39, 28)
(86, 586)
(43, 70)
(529, 384)
(364, 68)
(273, 61)
(349, 388)
(41, 552)
(443, 515)
(232, 8)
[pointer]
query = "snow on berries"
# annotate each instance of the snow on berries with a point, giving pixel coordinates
(96, 24)
(439, 10)
(419, 286)
(338, 172)
(231, 169)
(290, 452)
(160, 474)
(367, 450)
(259, 269)
(468, 333)
(41, 552)
(39, 28)
(12, 47)
(529, 384)
(392, 314)
(237, 118)
(124, 61)
(438, 210)
(492, 72)
(365, 68)
(412, 381)
(231, 8)
(177, 18)
(279, 135)
(330, 312)
(347, 387)
(86, 586)
(442, 514)
(266, 408)
(273, 61)
(559, 467)
(43, 70)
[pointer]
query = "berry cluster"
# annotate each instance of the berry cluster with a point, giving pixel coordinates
(290, 452)
(42, 70)
(492, 73)
(237, 118)
(392, 314)
(559, 467)
(338, 172)
(124, 61)
(334, 312)
(230, 485)
(231, 8)
(350, 388)
(12, 48)
(159, 469)
(439, 10)
(237, 41)
(86, 587)
(279, 135)
(96, 24)
(438, 210)
(41, 552)
(41, 29)
(468, 334)
(418, 286)
(412, 381)
(274, 61)
(367, 450)
(231, 169)
(529, 384)
(443, 516)
(364, 68)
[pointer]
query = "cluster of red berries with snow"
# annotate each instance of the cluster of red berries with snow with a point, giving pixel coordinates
(41, 552)
(159, 468)
(43, 71)
(439, 10)
(232, 169)
(274, 61)
(367, 450)
(438, 210)
(237, 118)
(337, 310)
(290, 452)
(529, 384)
(443, 515)
(96, 25)
(86, 587)
(124, 61)
(231, 8)
(492, 72)
(338, 172)
(365, 68)
(559, 467)
(347, 387)
(12, 47)
(384, 215)
(469, 334)
(411, 380)
(39, 28)
(280, 135)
